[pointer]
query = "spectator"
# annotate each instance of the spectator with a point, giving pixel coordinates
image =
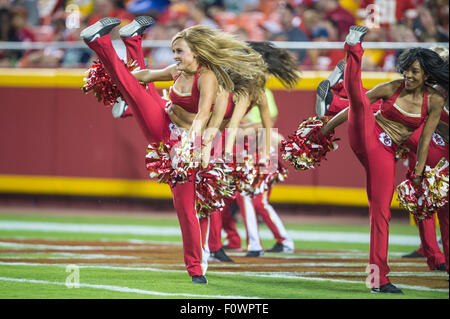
(52, 55)
(442, 12)
(241, 34)
(198, 15)
(177, 12)
(290, 30)
(309, 21)
(398, 33)
(426, 29)
(332, 28)
(47, 8)
(19, 30)
(162, 57)
(6, 34)
(152, 8)
(239, 6)
(23, 31)
(318, 58)
(324, 59)
(108, 8)
(373, 58)
(32, 10)
(334, 11)
(403, 12)
(76, 57)
(86, 7)
(299, 20)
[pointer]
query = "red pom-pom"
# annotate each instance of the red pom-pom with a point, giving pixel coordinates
(424, 200)
(159, 163)
(270, 176)
(99, 83)
(246, 176)
(401, 153)
(307, 147)
(212, 185)
(172, 162)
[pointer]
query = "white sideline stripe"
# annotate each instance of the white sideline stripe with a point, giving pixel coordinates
(333, 280)
(310, 256)
(74, 247)
(357, 274)
(323, 264)
(342, 237)
(322, 255)
(125, 289)
(65, 256)
(107, 240)
(249, 274)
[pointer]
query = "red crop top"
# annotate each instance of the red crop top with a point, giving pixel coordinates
(393, 112)
(187, 101)
(190, 101)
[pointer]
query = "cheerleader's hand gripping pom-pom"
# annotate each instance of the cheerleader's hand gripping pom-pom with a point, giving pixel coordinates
(307, 147)
(401, 153)
(271, 176)
(246, 175)
(158, 162)
(436, 181)
(172, 162)
(424, 200)
(185, 159)
(99, 83)
(212, 185)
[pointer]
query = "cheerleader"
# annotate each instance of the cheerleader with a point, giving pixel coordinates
(438, 148)
(222, 112)
(201, 57)
(281, 65)
(407, 104)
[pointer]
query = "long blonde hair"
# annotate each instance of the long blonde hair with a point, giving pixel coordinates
(222, 53)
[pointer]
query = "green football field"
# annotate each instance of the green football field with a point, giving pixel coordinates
(47, 255)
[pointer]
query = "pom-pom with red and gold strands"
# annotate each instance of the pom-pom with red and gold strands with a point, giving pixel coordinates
(246, 175)
(269, 176)
(401, 153)
(424, 200)
(185, 159)
(212, 185)
(99, 83)
(307, 147)
(172, 162)
(158, 162)
(436, 180)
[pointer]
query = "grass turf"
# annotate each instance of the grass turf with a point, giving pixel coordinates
(171, 284)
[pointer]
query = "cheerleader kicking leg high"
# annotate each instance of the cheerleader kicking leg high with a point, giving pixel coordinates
(156, 126)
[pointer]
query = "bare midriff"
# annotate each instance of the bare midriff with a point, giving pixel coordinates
(398, 132)
(180, 117)
(183, 119)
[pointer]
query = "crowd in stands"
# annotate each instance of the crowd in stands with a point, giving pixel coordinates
(255, 20)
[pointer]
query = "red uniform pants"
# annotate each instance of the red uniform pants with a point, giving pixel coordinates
(149, 110)
(366, 140)
(263, 209)
(427, 227)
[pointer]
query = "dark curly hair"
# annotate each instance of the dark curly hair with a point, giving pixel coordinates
(431, 63)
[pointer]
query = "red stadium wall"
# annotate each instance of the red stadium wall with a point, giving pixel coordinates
(55, 140)
(62, 132)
